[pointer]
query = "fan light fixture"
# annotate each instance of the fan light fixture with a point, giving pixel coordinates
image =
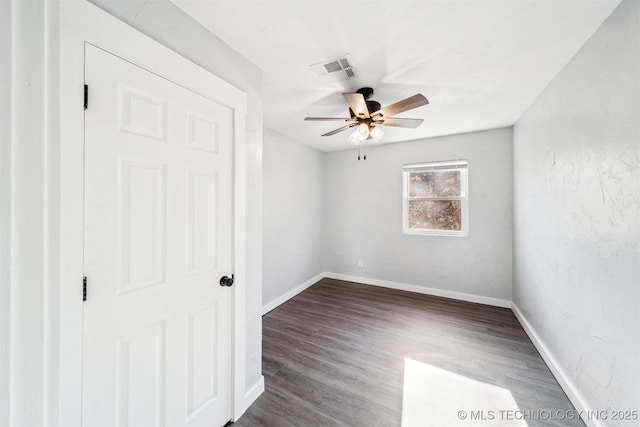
(364, 131)
(360, 134)
(366, 116)
(376, 134)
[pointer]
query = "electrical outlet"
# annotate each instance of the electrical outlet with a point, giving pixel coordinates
(360, 263)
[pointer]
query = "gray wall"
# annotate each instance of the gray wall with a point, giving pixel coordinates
(577, 215)
(5, 197)
(164, 22)
(363, 216)
(292, 212)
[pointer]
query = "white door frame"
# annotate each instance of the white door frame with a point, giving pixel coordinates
(80, 23)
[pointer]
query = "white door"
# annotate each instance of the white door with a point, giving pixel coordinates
(158, 216)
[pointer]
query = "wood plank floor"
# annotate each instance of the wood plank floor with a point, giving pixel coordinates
(334, 355)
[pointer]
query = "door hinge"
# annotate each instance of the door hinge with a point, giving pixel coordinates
(86, 96)
(84, 288)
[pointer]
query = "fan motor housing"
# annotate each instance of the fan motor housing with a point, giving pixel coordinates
(367, 92)
(372, 106)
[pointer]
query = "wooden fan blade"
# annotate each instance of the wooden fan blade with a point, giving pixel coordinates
(333, 132)
(398, 122)
(410, 103)
(357, 103)
(328, 119)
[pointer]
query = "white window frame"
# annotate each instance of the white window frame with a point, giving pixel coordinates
(463, 167)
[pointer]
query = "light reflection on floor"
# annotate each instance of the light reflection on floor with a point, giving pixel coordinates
(434, 397)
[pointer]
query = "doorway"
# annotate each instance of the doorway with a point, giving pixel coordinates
(157, 239)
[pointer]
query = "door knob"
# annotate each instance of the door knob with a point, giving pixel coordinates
(226, 281)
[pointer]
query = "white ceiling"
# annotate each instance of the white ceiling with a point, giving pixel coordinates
(480, 63)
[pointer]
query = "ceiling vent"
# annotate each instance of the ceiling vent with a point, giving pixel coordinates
(335, 69)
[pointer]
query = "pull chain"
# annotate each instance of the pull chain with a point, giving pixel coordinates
(362, 152)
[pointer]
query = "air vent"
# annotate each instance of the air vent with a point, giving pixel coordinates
(335, 69)
(332, 67)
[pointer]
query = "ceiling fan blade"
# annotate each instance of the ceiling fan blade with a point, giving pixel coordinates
(333, 132)
(329, 119)
(398, 122)
(410, 103)
(357, 103)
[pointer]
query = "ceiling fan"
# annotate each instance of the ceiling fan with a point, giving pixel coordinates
(366, 115)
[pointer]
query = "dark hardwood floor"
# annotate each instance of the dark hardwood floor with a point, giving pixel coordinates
(336, 354)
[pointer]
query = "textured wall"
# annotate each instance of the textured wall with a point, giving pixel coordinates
(577, 215)
(363, 216)
(292, 211)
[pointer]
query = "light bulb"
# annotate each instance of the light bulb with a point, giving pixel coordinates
(377, 134)
(354, 138)
(363, 129)
(358, 136)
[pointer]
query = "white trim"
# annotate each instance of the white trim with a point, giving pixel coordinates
(447, 165)
(251, 395)
(497, 302)
(6, 48)
(52, 237)
(82, 22)
(290, 294)
(239, 264)
(565, 382)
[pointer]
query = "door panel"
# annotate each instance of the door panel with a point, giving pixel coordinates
(202, 347)
(158, 220)
(142, 224)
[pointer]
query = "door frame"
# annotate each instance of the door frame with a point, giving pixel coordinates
(81, 23)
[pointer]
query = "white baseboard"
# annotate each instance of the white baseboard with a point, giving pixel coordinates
(497, 302)
(251, 395)
(292, 293)
(565, 382)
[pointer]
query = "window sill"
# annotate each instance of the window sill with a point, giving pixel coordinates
(463, 233)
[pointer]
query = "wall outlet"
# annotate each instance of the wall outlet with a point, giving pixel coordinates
(360, 263)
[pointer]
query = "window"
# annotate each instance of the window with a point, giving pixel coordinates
(435, 198)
